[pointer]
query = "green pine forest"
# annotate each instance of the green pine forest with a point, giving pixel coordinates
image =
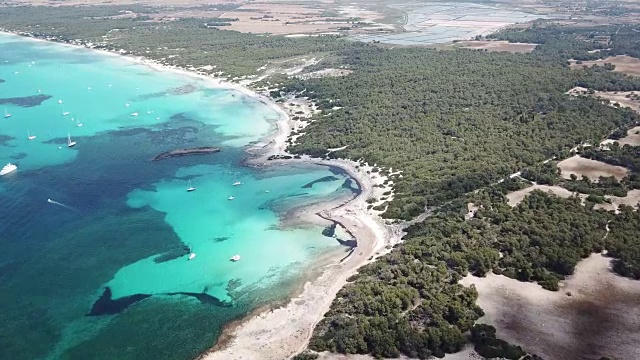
(455, 121)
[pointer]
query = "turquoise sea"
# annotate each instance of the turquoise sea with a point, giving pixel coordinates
(101, 271)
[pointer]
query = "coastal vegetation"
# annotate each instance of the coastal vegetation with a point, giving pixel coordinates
(455, 122)
(470, 117)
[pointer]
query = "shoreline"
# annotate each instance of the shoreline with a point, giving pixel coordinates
(253, 336)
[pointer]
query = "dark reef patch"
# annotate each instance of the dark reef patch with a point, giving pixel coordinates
(19, 156)
(25, 101)
(171, 255)
(179, 117)
(323, 179)
(105, 305)
(202, 150)
(2, 80)
(220, 239)
(4, 139)
(352, 186)
(330, 231)
(205, 298)
(180, 90)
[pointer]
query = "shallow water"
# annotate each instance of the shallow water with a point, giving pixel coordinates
(101, 270)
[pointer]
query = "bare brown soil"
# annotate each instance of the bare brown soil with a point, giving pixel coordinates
(596, 313)
(580, 166)
(497, 46)
(623, 64)
(632, 199)
(632, 138)
(516, 197)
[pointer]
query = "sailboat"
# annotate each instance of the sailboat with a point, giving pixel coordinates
(29, 136)
(64, 113)
(190, 188)
(69, 142)
(78, 123)
(6, 114)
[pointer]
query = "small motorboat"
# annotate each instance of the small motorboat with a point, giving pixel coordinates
(192, 255)
(231, 197)
(235, 258)
(237, 183)
(134, 114)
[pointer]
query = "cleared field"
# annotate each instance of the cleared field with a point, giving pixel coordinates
(623, 64)
(593, 169)
(497, 46)
(516, 197)
(596, 313)
(632, 138)
(279, 18)
(632, 199)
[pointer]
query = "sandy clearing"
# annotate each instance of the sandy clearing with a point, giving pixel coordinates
(623, 64)
(516, 197)
(471, 210)
(632, 138)
(600, 318)
(630, 99)
(497, 46)
(593, 169)
(632, 199)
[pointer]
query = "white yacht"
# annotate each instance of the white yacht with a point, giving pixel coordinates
(237, 183)
(6, 114)
(8, 168)
(192, 255)
(69, 142)
(231, 198)
(235, 258)
(134, 114)
(29, 136)
(190, 188)
(60, 101)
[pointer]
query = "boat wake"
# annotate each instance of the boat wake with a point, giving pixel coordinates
(63, 205)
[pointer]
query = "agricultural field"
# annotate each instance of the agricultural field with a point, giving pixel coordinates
(592, 169)
(496, 46)
(623, 64)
